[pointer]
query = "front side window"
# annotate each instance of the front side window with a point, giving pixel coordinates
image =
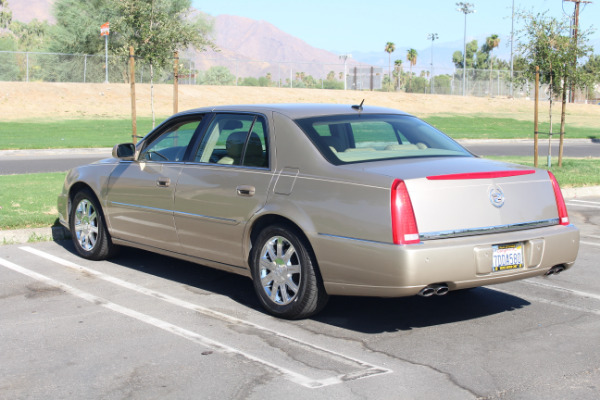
(235, 139)
(358, 138)
(170, 146)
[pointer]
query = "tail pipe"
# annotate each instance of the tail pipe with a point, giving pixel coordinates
(557, 269)
(437, 289)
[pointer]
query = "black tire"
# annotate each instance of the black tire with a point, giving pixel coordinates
(86, 222)
(285, 276)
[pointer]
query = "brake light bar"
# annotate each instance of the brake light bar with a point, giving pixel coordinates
(480, 175)
(563, 215)
(404, 223)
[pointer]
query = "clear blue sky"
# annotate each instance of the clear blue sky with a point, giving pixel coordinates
(344, 26)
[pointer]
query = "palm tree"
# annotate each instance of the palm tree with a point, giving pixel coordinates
(390, 47)
(398, 72)
(411, 57)
(492, 42)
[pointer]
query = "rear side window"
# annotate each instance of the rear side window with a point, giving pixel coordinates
(358, 138)
(233, 139)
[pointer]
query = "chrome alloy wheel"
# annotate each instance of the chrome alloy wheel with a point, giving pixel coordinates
(86, 224)
(280, 270)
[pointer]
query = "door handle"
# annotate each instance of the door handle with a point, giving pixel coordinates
(163, 182)
(245, 190)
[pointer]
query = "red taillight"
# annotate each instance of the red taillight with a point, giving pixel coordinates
(404, 224)
(563, 216)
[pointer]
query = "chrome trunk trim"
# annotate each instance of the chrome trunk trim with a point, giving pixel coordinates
(488, 230)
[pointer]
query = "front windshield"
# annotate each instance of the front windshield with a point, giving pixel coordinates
(355, 138)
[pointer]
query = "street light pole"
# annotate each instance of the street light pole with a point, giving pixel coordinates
(465, 8)
(345, 58)
(432, 37)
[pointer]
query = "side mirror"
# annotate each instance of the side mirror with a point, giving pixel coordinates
(124, 151)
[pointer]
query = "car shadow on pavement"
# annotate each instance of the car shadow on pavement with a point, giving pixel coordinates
(361, 314)
(377, 315)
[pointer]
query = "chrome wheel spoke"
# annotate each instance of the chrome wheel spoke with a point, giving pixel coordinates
(291, 285)
(285, 297)
(289, 254)
(293, 269)
(280, 245)
(273, 293)
(267, 279)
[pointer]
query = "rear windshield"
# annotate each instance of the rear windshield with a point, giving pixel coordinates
(356, 138)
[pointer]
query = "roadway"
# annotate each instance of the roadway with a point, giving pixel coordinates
(32, 161)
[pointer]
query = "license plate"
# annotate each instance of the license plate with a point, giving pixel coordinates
(507, 256)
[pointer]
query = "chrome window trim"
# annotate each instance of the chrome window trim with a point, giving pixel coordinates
(488, 229)
(208, 164)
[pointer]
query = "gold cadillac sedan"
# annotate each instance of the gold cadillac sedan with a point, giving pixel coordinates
(313, 200)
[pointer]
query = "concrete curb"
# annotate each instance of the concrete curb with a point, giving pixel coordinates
(20, 236)
(55, 233)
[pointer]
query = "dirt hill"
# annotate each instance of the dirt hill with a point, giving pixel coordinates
(43, 101)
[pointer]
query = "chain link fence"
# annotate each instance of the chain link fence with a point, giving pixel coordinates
(200, 69)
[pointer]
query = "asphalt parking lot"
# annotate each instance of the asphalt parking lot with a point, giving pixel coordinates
(146, 326)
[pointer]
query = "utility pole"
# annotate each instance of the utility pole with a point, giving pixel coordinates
(574, 35)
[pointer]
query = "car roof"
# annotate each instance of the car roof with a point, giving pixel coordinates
(299, 110)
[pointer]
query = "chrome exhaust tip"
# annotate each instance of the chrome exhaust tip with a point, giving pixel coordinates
(557, 269)
(441, 290)
(430, 290)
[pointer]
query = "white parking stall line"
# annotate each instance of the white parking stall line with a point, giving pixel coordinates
(589, 243)
(584, 203)
(573, 292)
(364, 369)
(547, 301)
(174, 329)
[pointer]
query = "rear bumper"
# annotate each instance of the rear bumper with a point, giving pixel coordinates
(362, 268)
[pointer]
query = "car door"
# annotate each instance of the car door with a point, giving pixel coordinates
(223, 186)
(140, 193)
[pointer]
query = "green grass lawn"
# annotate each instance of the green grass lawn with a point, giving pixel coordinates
(72, 133)
(29, 201)
(475, 127)
(84, 133)
(575, 172)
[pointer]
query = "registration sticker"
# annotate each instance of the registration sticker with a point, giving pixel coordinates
(507, 256)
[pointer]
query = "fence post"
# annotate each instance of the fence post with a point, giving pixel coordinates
(176, 82)
(84, 66)
(27, 67)
(498, 82)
